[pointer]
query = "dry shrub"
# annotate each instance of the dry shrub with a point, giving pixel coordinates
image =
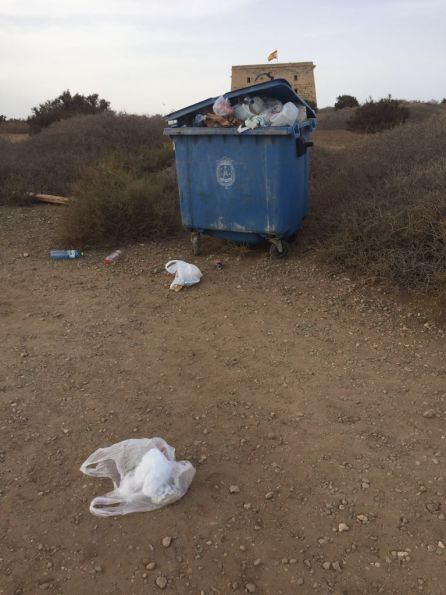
(14, 126)
(379, 208)
(376, 116)
(330, 118)
(52, 160)
(123, 199)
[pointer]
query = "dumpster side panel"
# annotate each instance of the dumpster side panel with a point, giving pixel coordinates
(243, 187)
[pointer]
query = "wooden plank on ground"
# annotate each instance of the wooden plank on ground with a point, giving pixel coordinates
(50, 198)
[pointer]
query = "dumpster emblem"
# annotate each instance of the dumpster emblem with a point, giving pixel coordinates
(225, 172)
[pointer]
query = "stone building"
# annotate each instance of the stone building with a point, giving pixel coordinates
(300, 75)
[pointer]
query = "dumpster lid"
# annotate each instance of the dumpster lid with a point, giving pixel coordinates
(277, 88)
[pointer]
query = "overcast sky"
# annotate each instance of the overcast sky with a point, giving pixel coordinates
(148, 56)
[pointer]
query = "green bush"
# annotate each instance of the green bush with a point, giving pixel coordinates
(375, 116)
(343, 101)
(65, 106)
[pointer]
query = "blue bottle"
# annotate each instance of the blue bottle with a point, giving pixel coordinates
(65, 254)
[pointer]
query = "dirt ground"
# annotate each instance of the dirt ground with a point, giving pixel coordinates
(321, 400)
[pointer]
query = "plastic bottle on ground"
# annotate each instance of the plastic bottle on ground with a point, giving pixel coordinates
(113, 257)
(65, 254)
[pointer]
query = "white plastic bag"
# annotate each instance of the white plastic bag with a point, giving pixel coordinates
(145, 476)
(256, 105)
(287, 117)
(302, 114)
(242, 112)
(185, 274)
(273, 105)
(222, 107)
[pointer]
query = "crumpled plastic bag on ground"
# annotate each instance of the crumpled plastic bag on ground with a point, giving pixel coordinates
(145, 476)
(185, 273)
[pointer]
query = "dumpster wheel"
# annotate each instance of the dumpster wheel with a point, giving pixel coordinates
(195, 239)
(278, 249)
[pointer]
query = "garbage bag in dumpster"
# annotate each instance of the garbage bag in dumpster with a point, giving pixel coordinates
(246, 187)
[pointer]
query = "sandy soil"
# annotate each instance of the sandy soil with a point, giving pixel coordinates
(321, 400)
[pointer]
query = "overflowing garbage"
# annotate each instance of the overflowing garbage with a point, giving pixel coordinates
(145, 476)
(248, 113)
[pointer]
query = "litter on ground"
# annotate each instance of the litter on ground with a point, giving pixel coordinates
(145, 476)
(186, 274)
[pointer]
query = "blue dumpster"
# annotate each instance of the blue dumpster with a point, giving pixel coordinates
(247, 187)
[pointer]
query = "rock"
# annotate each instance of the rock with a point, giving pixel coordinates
(257, 562)
(151, 566)
(250, 587)
(343, 527)
(269, 495)
(433, 506)
(363, 518)
(161, 582)
(300, 581)
(326, 565)
(336, 566)
(166, 541)
(234, 489)
(429, 414)
(25, 254)
(98, 568)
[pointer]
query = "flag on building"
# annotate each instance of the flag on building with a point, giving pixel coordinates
(272, 56)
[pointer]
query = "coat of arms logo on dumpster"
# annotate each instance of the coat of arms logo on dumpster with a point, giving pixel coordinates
(225, 172)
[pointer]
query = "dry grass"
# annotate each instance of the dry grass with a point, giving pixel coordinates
(123, 199)
(379, 208)
(14, 127)
(52, 160)
(331, 119)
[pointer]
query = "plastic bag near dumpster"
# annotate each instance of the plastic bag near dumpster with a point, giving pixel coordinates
(145, 476)
(185, 274)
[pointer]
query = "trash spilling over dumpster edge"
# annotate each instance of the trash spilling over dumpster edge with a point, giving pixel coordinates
(248, 111)
(251, 113)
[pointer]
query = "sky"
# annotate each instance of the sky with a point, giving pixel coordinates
(154, 56)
